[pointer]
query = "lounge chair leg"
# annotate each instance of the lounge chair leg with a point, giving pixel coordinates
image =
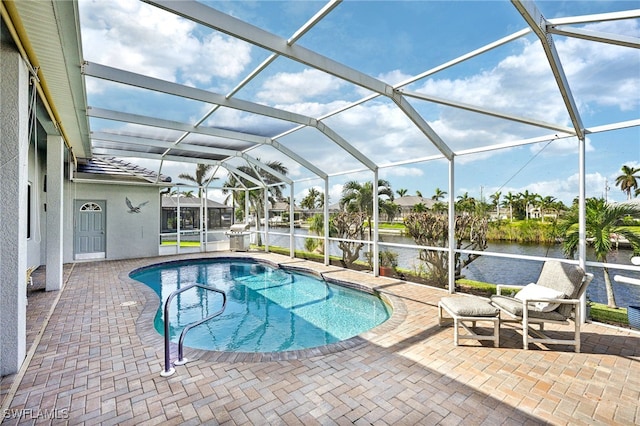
(455, 332)
(525, 330)
(577, 323)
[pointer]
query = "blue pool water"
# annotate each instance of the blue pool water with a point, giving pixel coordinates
(268, 310)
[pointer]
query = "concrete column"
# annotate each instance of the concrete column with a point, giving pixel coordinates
(14, 144)
(55, 209)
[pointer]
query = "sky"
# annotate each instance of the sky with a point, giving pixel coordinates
(392, 42)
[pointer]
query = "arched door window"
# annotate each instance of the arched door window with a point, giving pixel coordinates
(88, 207)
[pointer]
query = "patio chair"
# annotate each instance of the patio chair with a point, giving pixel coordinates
(554, 298)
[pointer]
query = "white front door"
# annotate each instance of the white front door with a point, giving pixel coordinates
(89, 230)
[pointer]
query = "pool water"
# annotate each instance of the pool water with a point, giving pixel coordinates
(268, 310)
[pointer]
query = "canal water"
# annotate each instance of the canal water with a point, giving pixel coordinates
(506, 271)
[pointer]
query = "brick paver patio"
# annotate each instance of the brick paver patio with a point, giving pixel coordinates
(97, 359)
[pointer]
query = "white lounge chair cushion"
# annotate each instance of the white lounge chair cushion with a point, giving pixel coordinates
(535, 291)
(563, 277)
(469, 306)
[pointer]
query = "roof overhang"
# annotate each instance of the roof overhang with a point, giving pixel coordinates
(49, 32)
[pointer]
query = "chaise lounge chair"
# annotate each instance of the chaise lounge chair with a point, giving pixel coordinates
(555, 298)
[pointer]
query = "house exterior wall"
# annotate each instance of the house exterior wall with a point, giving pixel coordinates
(14, 93)
(128, 235)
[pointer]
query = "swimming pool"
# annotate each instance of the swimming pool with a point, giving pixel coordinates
(268, 309)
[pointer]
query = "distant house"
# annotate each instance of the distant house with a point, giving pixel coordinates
(501, 214)
(408, 202)
(333, 208)
(219, 216)
(279, 213)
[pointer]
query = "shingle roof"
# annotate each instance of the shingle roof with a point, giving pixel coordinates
(110, 168)
(412, 200)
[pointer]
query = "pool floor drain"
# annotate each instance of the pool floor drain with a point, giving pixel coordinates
(129, 303)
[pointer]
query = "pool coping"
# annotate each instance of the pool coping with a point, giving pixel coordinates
(149, 336)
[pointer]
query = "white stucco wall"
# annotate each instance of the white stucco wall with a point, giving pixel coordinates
(128, 235)
(14, 90)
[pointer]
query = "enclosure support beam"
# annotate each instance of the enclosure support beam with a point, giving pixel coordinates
(582, 227)
(266, 219)
(325, 224)
(376, 223)
(292, 240)
(539, 25)
(452, 227)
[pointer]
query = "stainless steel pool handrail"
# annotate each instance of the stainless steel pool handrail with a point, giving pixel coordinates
(168, 370)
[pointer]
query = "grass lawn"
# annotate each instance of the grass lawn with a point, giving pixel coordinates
(599, 312)
(182, 243)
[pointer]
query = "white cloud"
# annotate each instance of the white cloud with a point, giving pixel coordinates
(394, 77)
(565, 146)
(392, 172)
(292, 88)
(565, 189)
(313, 109)
(141, 38)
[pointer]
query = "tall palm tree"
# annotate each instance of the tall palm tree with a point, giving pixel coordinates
(401, 192)
(509, 199)
(439, 194)
(465, 203)
(603, 221)
(628, 181)
(359, 197)
(419, 208)
(495, 202)
(389, 208)
(546, 203)
(200, 178)
(256, 196)
(528, 198)
(311, 200)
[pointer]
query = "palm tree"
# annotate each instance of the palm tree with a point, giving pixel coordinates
(256, 196)
(439, 194)
(316, 226)
(419, 208)
(438, 207)
(546, 203)
(603, 221)
(200, 177)
(509, 199)
(401, 192)
(528, 198)
(495, 202)
(465, 203)
(312, 199)
(389, 208)
(628, 181)
(359, 197)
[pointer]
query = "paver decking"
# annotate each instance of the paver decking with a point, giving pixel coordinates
(98, 360)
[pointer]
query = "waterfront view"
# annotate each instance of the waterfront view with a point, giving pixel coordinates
(500, 270)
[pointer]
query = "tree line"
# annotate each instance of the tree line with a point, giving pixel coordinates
(604, 221)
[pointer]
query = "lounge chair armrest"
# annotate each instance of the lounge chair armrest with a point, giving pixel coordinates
(499, 287)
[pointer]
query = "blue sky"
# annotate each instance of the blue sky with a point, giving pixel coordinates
(391, 41)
